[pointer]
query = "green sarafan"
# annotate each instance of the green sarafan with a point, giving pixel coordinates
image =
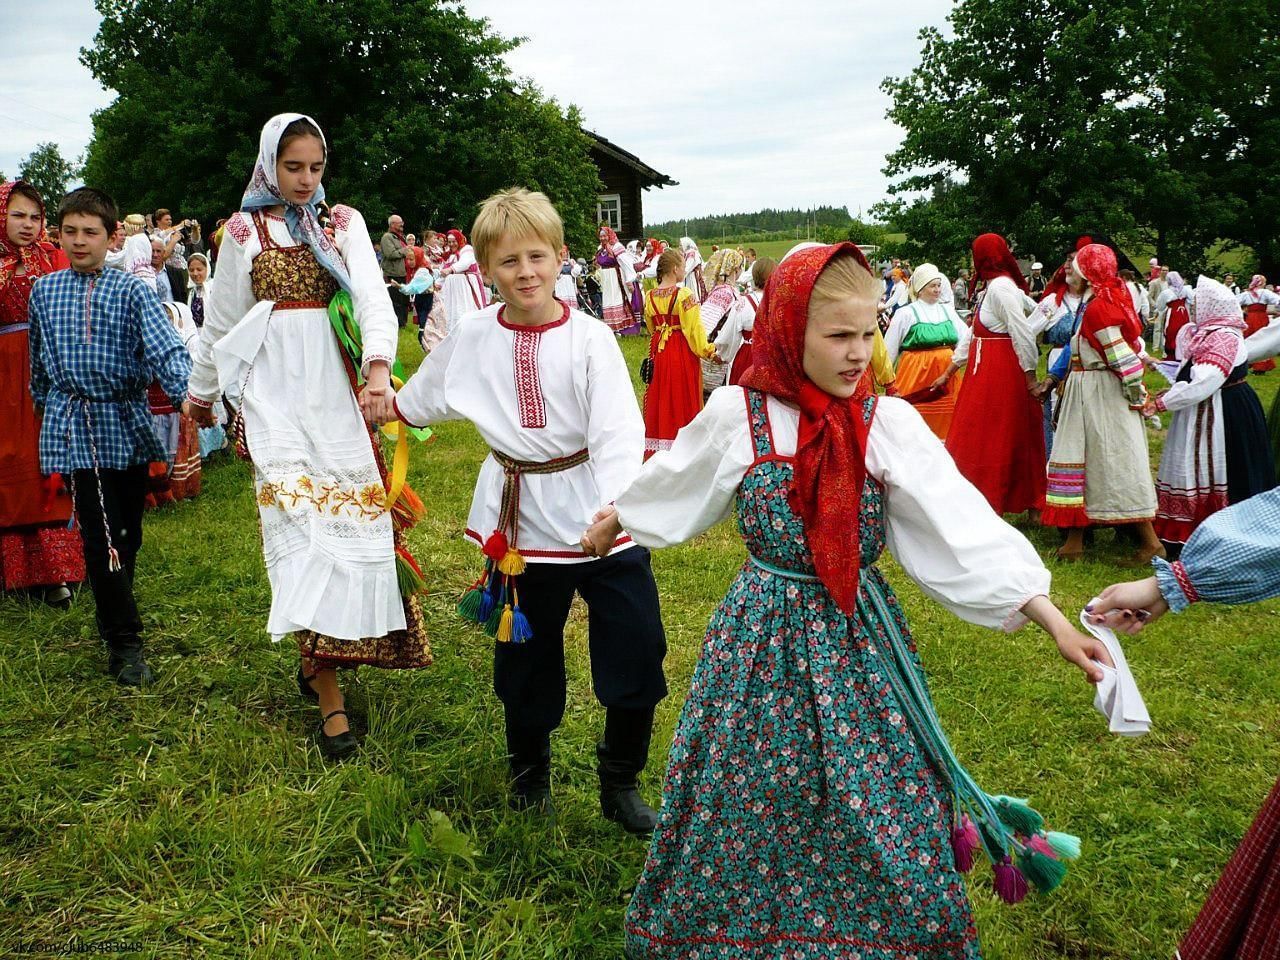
(196, 818)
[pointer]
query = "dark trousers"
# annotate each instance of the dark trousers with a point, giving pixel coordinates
(625, 638)
(422, 307)
(399, 301)
(123, 492)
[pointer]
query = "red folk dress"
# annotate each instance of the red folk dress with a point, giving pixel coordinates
(676, 343)
(38, 545)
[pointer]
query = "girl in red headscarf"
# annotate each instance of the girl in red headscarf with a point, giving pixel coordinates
(812, 803)
(1099, 471)
(997, 434)
(1260, 305)
(38, 546)
(461, 288)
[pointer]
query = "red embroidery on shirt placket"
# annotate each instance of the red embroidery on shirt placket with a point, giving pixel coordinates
(88, 304)
(533, 410)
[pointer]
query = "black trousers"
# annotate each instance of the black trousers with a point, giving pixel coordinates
(422, 304)
(399, 301)
(625, 638)
(123, 493)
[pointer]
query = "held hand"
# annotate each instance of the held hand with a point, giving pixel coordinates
(941, 382)
(1081, 650)
(203, 416)
(1128, 607)
(599, 539)
(376, 403)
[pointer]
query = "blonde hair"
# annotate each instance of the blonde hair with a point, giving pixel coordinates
(845, 278)
(134, 224)
(518, 213)
(671, 261)
(761, 271)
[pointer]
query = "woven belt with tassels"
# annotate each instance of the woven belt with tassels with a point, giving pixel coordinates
(492, 600)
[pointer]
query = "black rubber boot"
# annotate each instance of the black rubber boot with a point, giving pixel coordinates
(622, 755)
(531, 781)
(126, 663)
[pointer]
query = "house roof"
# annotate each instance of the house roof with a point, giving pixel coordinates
(649, 177)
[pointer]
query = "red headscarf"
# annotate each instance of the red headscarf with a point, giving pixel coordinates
(830, 461)
(1097, 264)
(610, 238)
(992, 258)
(37, 258)
(458, 238)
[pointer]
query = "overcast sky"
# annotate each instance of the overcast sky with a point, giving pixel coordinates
(747, 106)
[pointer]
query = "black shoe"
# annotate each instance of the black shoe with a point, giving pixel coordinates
(304, 686)
(58, 597)
(536, 801)
(621, 757)
(130, 669)
(625, 807)
(339, 745)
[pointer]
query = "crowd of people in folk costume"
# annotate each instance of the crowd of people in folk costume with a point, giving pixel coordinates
(813, 805)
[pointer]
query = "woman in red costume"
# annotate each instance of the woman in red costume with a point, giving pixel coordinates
(39, 548)
(997, 435)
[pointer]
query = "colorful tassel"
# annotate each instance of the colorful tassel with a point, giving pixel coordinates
(1017, 815)
(512, 563)
(496, 547)
(1010, 884)
(1038, 843)
(469, 605)
(495, 619)
(407, 511)
(521, 632)
(504, 625)
(487, 602)
(1045, 873)
(961, 849)
(1064, 845)
(408, 574)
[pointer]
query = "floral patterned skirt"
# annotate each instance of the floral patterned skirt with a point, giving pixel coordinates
(800, 820)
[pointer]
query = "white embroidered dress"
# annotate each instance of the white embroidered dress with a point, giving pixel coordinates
(326, 534)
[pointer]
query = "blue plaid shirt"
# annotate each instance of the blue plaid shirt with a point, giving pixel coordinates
(97, 341)
(1233, 557)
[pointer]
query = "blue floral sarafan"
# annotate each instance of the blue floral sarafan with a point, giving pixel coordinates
(801, 820)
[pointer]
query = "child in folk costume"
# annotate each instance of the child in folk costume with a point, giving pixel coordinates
(567, 279)
(677, 342)
(461, 288)
(548, 389)
(1232, 558)
(734, 342)
(693, 278)
(40, 548)
(618, 288)
(1173, 312)
(1260, 305)
(647, 267)
(722, 270)
(98, 337)
(813, 807)
(329, 536)
(1099, 471)
(997, 432)
(178, 476)
(922, 339)
(1217, 451)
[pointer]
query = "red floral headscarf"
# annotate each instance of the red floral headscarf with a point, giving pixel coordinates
(1097, 264)
(830, 461)
(608, 238)
(36, 258)
(992, 258)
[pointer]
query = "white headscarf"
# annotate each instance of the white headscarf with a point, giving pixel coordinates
(921, 277)
(688, 245)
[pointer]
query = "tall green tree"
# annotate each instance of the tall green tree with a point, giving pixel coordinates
(421, 114)
(48, 171)
(1049, 118)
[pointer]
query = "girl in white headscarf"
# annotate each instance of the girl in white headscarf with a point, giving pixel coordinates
(693, 268)
(922, 340)
(330, 541)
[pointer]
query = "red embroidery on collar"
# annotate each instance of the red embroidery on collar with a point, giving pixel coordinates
(564, 318)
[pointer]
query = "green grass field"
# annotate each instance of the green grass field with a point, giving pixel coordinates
(197, 819)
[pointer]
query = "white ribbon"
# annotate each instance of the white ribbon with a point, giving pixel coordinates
(1116, 697)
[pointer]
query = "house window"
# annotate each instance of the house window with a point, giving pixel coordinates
(609, 210)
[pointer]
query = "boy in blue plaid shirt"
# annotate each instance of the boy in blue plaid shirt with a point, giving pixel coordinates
(98, 338)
